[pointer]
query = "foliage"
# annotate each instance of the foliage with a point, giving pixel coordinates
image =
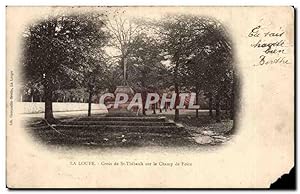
(183, 52)
(61, 49)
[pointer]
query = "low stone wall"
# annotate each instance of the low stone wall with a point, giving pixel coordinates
(39, 107)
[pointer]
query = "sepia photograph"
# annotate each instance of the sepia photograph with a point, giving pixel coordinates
(111, 79)
(113, 96)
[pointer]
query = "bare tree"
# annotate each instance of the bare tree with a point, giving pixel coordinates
(123, 33)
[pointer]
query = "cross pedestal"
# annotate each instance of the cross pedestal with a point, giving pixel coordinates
(122, 110)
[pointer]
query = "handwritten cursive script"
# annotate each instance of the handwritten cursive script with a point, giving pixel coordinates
(271, 43)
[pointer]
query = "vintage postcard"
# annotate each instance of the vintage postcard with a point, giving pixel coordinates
(149, 97)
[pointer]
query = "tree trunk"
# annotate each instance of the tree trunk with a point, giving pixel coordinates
(154, 109)
(176, 102)
(159, 105)
(176, 88)
(233, 104)
(197, 103)
(210, 104)
(90, 103)
(48, 105)
(144, 96)
(218, 111)
(144, 92)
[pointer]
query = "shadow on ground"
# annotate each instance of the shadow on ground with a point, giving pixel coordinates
(109, 132)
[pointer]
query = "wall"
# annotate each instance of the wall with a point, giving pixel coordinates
(38, 107)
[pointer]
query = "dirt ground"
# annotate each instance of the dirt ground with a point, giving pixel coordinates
(189, 131)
